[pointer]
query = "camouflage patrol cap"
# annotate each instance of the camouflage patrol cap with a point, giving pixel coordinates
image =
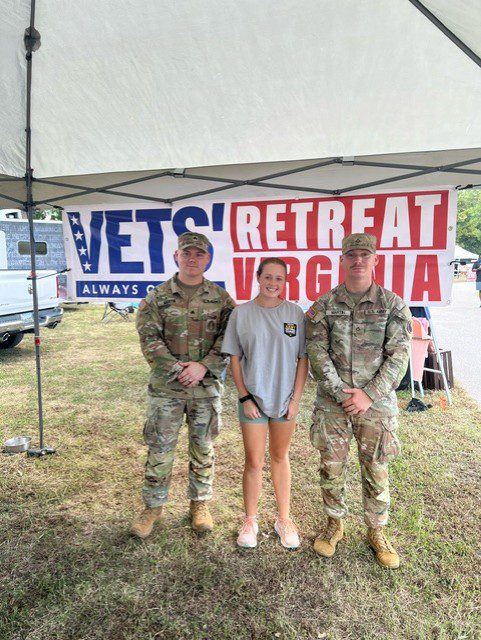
(197, 240)
(359, 241)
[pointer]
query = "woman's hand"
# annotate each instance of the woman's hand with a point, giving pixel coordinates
(251, 410)
(292, 409)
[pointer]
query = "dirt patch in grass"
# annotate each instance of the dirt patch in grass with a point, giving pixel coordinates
(69, 569)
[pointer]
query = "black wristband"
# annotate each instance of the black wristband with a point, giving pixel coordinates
(249, 396)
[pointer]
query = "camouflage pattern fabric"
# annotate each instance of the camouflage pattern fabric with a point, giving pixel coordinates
(331, 433)
(365, 346)
(161, 431)
(173, 328)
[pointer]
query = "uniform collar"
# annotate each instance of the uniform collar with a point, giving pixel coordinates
(342, 295)
(203, 287)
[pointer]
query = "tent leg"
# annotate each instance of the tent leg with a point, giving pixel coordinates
(438, 355)
(32, 43)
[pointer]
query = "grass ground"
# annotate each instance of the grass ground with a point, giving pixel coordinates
(69, 570)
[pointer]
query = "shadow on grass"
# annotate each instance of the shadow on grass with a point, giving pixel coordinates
(73, 577)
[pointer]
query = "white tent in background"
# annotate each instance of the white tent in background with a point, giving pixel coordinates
(163, 101)
(463, 254)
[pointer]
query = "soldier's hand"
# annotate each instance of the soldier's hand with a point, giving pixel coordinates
(192, 374)
(358, 403)
(251, 410)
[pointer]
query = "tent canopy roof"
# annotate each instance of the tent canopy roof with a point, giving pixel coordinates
(239, 90)
(464, 254)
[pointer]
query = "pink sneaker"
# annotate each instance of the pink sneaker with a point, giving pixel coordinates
(287, 532)
(248, 533)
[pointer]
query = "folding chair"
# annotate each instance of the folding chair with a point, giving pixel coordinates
(419, 351)
(113, 310)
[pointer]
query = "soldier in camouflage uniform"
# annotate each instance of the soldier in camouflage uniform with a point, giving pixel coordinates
(358, 340)
(181, 325)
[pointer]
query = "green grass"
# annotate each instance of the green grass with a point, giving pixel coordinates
(70, 570)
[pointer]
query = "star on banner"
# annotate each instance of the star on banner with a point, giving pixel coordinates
(78, 235)
(87, 266)
(82, 251)
(73, 220)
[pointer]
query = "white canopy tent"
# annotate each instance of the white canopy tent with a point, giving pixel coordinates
(239, 91)
(464, 254)
(148, 100)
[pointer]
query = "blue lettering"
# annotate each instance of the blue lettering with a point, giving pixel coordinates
(116, 241)
(153, 218)
(218, 216)
(88, 256)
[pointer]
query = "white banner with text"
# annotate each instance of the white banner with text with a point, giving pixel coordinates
(119, 253)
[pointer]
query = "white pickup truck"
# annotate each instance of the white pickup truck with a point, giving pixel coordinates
(16, 304)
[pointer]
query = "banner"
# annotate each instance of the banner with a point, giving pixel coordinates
(122, 252)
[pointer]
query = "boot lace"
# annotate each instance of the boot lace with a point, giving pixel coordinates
(381, 541)
(200, 508)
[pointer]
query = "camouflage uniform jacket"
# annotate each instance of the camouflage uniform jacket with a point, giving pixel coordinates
(364, 346)
(172, 329)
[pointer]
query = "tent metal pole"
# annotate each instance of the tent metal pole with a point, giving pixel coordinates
(404, 176)
(261, 181)
(415, 167)
(32, 43)
(12, 199)
(57, 183)
(449, 34)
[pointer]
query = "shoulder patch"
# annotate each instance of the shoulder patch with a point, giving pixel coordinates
(310, 313)
(142, 304)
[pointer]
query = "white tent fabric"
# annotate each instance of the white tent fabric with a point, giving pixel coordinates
(464, 254)
(130, 85)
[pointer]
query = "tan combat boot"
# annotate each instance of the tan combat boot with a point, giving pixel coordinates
(385, 553)
(143, 523)
(200, 516)
(325, 543)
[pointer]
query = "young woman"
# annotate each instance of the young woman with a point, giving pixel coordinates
(265, 339)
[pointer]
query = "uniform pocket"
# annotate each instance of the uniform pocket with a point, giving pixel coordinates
(164, 418)
(389, 445)
(216, 418)
(151, 427)
(318, 434)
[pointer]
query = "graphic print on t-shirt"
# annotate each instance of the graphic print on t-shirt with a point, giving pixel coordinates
(290, 329)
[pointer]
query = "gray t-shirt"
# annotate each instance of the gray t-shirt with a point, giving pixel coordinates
(269, 343)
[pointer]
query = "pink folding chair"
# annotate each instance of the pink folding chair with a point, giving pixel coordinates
(419, 351)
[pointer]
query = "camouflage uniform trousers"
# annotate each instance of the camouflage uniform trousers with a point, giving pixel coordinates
(161, 431)
(377, 443)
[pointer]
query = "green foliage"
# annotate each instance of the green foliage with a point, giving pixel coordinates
(468, 233)
(48, 214)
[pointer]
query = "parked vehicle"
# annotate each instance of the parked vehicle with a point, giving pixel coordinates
(16, 292)
(15, 246)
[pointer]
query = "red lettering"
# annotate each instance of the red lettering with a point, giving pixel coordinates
(380, 271)
(426, 279)
(292, 279)
(318, 276)
(398, 270)
(244, 277)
